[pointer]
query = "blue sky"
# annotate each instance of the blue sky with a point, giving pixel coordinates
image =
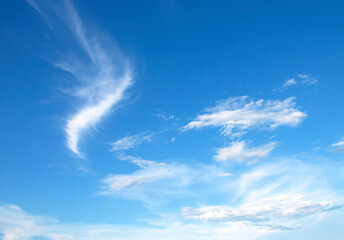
(171, 120)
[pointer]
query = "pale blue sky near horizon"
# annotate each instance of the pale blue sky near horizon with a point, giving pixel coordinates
(171, 119)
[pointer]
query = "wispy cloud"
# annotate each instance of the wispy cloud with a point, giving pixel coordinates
(239, 152)
(165, 117)
(289, 82)
(129, 142)
(158, 182)
(299, 79)
(281, 195)
(105, 75)
(150, 172)
(288, 176)
(338, 147)
(307, 79)
(273, 210)
(16, 224)
(235, 115)
(153, 183)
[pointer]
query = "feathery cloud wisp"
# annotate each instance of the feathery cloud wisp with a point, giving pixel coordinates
(150, 172)
(105, 75)
(299, 79)
(307, 79)
(238, 152)
(235, 115)
(129, 142)
(159, 182)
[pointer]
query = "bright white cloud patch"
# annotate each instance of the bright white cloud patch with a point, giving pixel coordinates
(90, 115)
(289, 82)
(338, 147)
(105, 75)
(239, 152)
(129, 142)
(235, 115)
(279, 208)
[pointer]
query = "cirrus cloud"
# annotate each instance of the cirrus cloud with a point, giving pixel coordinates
(103, 73)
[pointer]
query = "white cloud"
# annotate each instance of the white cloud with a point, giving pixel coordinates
(235, 115)
(165, 117)
(239, 152)
(129, 142)
(16, 224)
(289, 82)
(150, 172)
(153, 183)
(303, 76)
(273, 211)
(300, 79)
(156, 183)
(105, 75)
(317, 179)
(258, 202)
(338, 147)
(308, 79)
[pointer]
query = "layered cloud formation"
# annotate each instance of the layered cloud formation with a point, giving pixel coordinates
(280, 207)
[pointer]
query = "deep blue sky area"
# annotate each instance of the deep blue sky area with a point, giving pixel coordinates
(171, 120)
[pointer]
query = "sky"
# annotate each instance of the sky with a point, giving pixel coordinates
(169, 119)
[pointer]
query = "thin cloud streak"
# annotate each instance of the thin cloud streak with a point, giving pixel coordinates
(105, 76)
(129, 142)
(150, 172)
(157, 183)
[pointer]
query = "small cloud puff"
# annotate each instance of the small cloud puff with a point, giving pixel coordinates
(165, 117)
(289, 82)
